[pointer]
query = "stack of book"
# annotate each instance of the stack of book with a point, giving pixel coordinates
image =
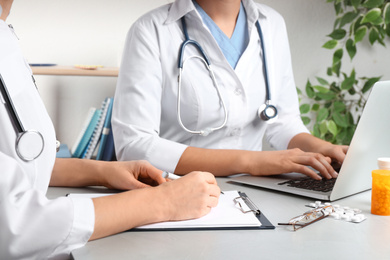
(95, 140)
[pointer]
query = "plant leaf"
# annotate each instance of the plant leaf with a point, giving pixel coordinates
(322, 81)
(323, 128)
(330, 44)
(326, 96)
(340, 120)
(309, 90)
(322, 114)
(337, 56)
(360, 33)
(338, 106)
(315, 107)
(304, 108)
(306, 120)
(373, 35)
(386, 13)
(373, 3)
(355, 3)
(332, 127)
(372, 15)
(348, 18)
(351, 48)
(338, 34)
(321, 89)
(369, 83)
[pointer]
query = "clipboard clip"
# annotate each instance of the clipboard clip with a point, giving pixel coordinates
(246, 205)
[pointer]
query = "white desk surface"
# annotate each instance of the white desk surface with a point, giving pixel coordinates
(326, 239)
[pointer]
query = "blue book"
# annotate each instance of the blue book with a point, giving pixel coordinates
(106, 130)
(82, 146)
(98, 130)
(109, 150)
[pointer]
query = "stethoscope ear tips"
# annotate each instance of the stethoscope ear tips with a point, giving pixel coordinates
(268, 113)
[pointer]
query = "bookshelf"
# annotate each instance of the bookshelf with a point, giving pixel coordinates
(72, 71)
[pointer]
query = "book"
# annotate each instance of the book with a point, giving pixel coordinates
(105, 132)
(234, 211)
(82, 145)
(109, 149)
(97, 132)
(84, 127)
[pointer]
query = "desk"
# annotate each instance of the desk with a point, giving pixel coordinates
(326, 239)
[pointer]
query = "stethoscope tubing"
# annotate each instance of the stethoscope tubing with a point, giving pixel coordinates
(10, 107)
(267, 112)
(29, 144)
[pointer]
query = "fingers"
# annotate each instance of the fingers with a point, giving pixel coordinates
(317, 162)
(213, 199)
(200, 193)
(340, 153)
(138, 185)
(149, 171)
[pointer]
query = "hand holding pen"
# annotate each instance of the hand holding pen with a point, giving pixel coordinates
(172, 176)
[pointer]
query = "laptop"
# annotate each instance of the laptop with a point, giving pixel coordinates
(370, 141)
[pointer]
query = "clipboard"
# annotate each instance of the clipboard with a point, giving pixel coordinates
(240, 204)
(235, 211)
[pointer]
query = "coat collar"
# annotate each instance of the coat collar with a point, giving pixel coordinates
(180, 8)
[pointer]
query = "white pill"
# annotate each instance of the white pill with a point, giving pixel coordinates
(346, 217)
(328, 210)
(335, 215)
(358, 218)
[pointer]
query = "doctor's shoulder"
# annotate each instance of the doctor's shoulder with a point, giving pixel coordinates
(271, 14)
(153, 18)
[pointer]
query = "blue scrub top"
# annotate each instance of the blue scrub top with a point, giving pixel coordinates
(233, 47)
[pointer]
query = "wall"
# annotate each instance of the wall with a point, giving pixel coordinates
(69, 32)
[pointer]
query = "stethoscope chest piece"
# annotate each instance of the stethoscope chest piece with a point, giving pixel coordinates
(268, 113)
(29, 145)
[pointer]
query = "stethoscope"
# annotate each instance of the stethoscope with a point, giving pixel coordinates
(266, 112)
(29, 143)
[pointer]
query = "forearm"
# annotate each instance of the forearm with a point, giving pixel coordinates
(77, 173)
(308, 143)
(117, 213)
(189, 197)
(219, 162)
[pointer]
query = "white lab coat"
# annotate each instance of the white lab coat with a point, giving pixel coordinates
(145, 123)
(31, 226)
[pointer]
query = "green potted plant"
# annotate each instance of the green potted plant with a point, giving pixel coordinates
(333, 106)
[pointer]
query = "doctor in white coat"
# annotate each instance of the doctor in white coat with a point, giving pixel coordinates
(33, 227)
(195, 123)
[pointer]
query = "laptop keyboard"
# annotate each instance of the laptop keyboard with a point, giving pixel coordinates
(308, 183)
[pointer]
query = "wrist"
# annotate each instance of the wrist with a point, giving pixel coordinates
(161, 198)
(243, 162)
(99, 173)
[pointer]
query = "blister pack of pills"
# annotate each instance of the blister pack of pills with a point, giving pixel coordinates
(340, 213)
